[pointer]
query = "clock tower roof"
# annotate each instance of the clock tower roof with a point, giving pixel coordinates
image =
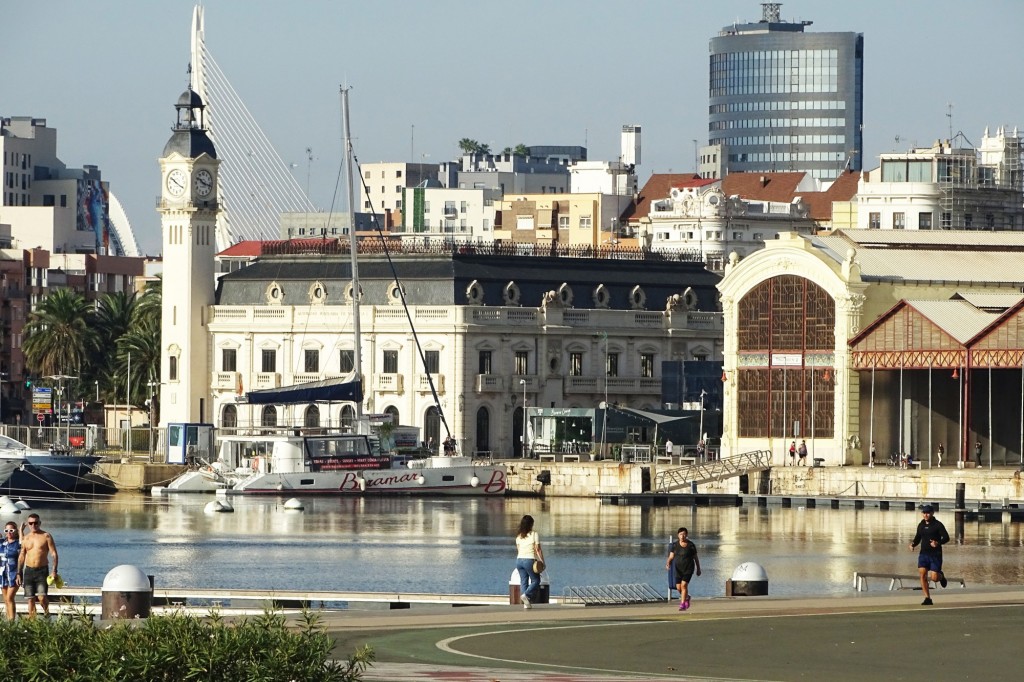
(189, 137)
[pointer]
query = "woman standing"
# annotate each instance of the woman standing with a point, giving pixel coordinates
(528, 551)
(683, 557)
(10, 548)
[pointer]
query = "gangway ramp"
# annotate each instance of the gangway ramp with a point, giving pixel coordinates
(675, 478)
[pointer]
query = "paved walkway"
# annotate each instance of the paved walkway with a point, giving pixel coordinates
(969, 633)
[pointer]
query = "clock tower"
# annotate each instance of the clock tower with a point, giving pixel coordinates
(188, 218)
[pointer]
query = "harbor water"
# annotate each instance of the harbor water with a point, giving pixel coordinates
(439, 545)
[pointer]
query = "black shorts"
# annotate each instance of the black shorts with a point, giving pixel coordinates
(34, 580)
(684, 577)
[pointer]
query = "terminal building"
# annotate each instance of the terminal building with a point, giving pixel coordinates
(905, 339)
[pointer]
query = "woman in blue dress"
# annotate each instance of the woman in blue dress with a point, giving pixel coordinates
(10, 548)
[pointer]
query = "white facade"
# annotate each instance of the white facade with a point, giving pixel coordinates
(488, 358)
(435, 214)
(387, 180)
(602, 177)
(704, 219)
(946, 187)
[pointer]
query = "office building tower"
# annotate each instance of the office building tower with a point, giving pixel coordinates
(785, 99)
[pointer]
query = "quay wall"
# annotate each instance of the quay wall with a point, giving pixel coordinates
(139, 475)
(585, 479)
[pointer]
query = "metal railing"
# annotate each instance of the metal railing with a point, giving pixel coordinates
(634, 593)
(675, 478)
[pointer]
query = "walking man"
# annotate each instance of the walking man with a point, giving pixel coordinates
(683, 560)
(873, 451)
(931, 535)
(977, 453)
(802, 452)
(33, 565)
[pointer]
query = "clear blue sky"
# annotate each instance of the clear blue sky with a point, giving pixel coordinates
(106, 74)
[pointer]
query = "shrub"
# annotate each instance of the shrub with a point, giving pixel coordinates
(175, 647)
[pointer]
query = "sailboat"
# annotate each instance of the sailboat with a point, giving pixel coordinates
(335, 463)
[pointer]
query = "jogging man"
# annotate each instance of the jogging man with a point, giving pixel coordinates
(931, 535)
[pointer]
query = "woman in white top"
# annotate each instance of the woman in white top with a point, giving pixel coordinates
(527, 551)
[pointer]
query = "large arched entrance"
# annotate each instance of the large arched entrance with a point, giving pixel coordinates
(432, 428)
(483, 429)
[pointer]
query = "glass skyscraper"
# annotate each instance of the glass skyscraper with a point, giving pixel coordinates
(782, 99)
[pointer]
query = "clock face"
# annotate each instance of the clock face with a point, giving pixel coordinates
(204, 183)
(176, 182)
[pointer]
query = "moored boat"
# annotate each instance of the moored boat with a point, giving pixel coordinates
(333, 464)
(57, 472)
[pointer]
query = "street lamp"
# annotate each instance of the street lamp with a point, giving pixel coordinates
(59, 378)
(700, 435)
(522, 382)
(152, 402)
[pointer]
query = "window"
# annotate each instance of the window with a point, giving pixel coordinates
(924, 221)
(874, 220)
(172, 367)
(968, 221)
(700, 357)
(484, 362)
(522, 362)
(347, 361)
(229, 417)
(647, 365)
(228, 360)
(947, 220)
(586, 222)
(268, 360)
(899, 220)
(612, 366)
(269, 416)
(575, 364)
(398, 174)
(463, 206)
(391, 362)
(311, 360)
(432, 359)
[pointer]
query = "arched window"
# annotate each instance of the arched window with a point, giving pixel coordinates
(269, 416)
(432, 427)
(312, 417)
(483, 429)
(229, 417)
(393, 411)
(786, 340)
(348, 418)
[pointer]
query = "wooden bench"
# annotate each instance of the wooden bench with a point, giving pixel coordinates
(546, 457)
(860, 582)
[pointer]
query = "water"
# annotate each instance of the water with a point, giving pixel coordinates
(466, 546)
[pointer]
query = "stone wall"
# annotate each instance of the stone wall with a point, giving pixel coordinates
(576, 480)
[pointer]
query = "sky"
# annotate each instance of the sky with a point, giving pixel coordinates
(423, 75)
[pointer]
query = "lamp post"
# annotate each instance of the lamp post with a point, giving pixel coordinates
(97, 382)
(522, 382)
(59, 378)
(700, 435)
(152, 402)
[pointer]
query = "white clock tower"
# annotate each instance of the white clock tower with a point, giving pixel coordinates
(188, 217)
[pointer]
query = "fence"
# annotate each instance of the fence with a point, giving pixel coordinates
(138, 444)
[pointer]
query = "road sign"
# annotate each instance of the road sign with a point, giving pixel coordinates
(40, 417)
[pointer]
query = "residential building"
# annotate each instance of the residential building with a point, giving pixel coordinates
(946, 187)
(511, 174)
(50, 206)
(784, 99)
(442, 214)
(540, 221)
(383, 184)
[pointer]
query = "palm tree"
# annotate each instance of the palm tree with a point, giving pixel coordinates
(142, 343)
(59, 335)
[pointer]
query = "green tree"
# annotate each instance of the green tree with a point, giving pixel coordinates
(60, 335)
(521, 150)
(470, 146)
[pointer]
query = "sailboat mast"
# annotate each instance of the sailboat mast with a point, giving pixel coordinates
(354, 253)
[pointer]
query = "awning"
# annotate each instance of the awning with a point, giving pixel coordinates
(655, 417)
(327, 390)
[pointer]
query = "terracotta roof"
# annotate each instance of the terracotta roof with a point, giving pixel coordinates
(251, 247)
(784, 187)
(254, 248)
(658, 187)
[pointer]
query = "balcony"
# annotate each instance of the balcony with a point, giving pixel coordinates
(268, 380)
(388, 383)
(423, 383)
(306, 377)
(225, 380)
(490, 383)
(595, 385)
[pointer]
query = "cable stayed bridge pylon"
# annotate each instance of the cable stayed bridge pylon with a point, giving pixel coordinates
(255, 185)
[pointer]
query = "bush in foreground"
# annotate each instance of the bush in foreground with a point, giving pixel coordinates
(174, 647)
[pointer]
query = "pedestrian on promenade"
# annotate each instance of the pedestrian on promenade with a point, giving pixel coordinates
(792, 454)
(683, 561)
(871, 465)
(528, 553)
(10, 548)
(939, 453)
(931, 535)
(37, 547)
(668, 448)
(977, 453)
(802, 451)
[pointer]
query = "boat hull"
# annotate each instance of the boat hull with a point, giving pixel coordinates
(57, 476)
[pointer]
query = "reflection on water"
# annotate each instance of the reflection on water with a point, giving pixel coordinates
(465, 546)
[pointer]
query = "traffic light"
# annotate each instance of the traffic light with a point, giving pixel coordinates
(28, 382)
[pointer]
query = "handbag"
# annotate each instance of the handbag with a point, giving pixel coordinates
(538, 566)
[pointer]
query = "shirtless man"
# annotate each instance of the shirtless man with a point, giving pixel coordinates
(33, 564)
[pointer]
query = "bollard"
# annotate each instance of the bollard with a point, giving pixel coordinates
(514, 589)
(748, 580)
(127, 592)
(960, 494)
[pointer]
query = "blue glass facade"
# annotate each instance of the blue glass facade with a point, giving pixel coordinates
(785, 100)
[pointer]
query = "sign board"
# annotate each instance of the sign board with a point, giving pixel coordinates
(786, 359)
(40, 417)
